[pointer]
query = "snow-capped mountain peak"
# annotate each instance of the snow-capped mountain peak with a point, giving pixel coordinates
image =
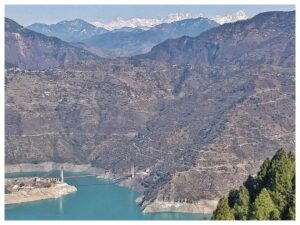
(144, 23)
(120, 22)
(239, 15)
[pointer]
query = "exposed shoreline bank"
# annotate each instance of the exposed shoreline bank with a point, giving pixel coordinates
(202, 206)
(47, 167)
(36, 194)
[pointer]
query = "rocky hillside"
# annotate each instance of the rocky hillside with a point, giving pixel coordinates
(137, 41)
(259, 40)
(195, 118)
(27, 49)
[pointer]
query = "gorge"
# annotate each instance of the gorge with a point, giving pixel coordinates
(196, 115)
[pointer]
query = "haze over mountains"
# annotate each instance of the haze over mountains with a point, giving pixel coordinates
(123, 43)
(139, 23)
(198, 113)
(28, 49)
(134, 36)
(173, 17)
(75, 30)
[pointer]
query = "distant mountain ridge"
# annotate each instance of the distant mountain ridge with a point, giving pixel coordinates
(139, 41)
(234, 41)
(74, 30)
(30, 50)
(147, 23)
(125, 41)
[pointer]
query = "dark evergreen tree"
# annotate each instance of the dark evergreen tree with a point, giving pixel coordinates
(241, 207)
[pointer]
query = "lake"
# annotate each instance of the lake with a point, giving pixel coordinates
(96, 199)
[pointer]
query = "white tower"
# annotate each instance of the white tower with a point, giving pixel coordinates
(132, 171)
(62, 174)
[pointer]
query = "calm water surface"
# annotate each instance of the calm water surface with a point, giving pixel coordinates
(96, 199)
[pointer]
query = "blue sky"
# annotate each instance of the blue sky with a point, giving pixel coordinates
(28, 14)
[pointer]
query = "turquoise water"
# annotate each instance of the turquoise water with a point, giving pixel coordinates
(96, 199)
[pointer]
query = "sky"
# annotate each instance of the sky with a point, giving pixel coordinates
(49, 14)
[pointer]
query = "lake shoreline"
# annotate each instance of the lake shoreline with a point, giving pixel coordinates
(202, 207)
(37, 194)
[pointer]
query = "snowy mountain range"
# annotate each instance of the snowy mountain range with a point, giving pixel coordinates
(138, 41)
(78, 29)
(143, 23)
(239, 15)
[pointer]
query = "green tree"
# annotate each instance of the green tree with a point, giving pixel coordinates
(291, 215)
(289, 211)
(241, 207)
(262, 174)
(223, 211)
(233, 197)
(279, 178)
(264, 206)
(253, 187)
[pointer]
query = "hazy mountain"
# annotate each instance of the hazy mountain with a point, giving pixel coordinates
(97, 51)
(196, 115)
(30, 50)
(141, 41)
(74, 30)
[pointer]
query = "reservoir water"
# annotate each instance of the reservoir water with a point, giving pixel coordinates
(96, 199)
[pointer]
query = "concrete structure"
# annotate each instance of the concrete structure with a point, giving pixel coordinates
(132, 171)
(62, 174)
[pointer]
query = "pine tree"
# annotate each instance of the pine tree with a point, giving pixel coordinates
(223, 211)
(241, 207)
(264, 206)
(233, 198)
(261, 175)
(279, 178)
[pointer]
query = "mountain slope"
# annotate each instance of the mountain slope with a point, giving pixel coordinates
(141, 41)
(244, 41)
(193, 131)
(30, 50)
(74, 30)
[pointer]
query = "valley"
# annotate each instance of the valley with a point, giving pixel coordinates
(199, 114)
